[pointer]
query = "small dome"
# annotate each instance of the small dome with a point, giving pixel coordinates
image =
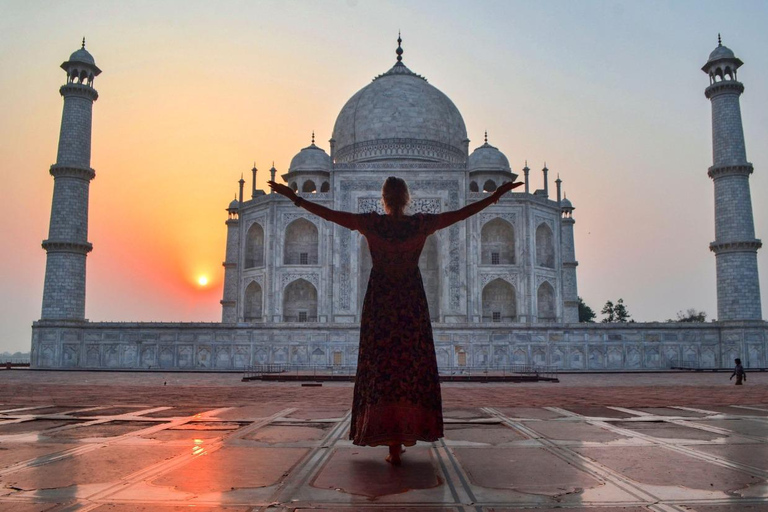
(82, 55)
(721, 52)
(488, 158)
(234, 205)
(311, 158)
(565, 204)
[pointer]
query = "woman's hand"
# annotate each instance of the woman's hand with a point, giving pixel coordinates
(506, 187)
(283, 190)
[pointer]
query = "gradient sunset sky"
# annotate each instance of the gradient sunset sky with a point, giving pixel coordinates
(609, 94)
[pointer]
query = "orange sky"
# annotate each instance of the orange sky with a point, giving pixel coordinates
(609, 94)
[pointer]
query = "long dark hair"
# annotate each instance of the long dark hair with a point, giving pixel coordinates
(395, 194)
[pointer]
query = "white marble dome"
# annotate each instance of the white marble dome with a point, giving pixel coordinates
(399, 115)
(311, 158)
(487, 158)
(82, 55)
(721, 52)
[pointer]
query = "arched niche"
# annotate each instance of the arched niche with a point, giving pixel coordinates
(301, 240)
(545, 303)
(300, 302)
(497, 243)
(473, 186)
(489, 186)
(545, 246)
(325, 187)
(254, 246)
(309, 187)
(499, 302)
(252, 304)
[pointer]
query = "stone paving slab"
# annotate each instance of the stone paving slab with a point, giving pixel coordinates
(666, 430)
(525, 470)
(657, 466)
(290, 452)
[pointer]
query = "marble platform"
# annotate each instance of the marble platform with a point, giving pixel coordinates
(272, 457)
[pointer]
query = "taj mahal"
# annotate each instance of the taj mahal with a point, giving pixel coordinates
(501, 286)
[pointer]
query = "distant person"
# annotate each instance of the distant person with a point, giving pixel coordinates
(738, 372)
(397, 390)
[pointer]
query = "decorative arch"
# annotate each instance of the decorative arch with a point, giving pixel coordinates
(294, 187)
(254, 246)
(252, 310)
(499, 302)
(325, 187)
(300, 302)
(429, 266)
(545, 246)
(473, 186)
(489, 186)
(545, 303)
(497, 243)
(309, 187)
(301, 241)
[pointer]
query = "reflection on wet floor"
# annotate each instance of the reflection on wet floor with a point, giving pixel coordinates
(285, 459)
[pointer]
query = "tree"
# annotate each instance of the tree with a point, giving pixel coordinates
(616, 313)
(691, 315)
(585, 312)
(608, 310)
(621, 312)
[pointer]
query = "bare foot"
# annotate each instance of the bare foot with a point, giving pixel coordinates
(395, 451)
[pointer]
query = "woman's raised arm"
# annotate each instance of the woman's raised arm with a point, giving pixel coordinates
(345, 219)
(446, 219)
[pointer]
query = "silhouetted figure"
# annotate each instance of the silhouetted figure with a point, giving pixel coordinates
(397, 390)
(739, 372)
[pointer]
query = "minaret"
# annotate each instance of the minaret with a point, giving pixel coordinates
(229, 299)
(253, 188)
(568, 251)
(272, 172)
(735, 245)
(544, 171)
(67, 245)
(526, 171)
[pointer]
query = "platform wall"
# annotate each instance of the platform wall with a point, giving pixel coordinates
(214, 346)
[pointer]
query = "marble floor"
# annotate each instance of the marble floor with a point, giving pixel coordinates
(261, 457)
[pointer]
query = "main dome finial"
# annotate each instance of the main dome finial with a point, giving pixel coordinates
(399, 50)
(719, 41)
(83, 47)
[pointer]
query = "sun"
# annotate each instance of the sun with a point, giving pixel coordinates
(202, 280)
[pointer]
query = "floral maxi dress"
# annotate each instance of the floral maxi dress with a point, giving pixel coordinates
(397, 389)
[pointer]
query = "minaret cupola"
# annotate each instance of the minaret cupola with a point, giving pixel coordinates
(722, 64)
(81, 67)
